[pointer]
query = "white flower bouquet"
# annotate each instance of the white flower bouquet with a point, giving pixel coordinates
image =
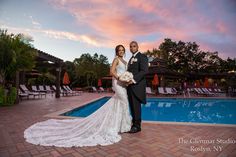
(126, 77)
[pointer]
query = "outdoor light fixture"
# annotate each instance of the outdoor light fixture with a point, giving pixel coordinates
(58, 69)
(232, 71)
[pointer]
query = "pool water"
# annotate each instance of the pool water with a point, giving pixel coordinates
(216, 111)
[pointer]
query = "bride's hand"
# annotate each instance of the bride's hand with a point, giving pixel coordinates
(124, 82)
(127, 83)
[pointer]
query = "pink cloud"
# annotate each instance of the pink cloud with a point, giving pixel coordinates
(121, 22)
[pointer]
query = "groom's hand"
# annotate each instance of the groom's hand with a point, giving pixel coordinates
(130, 82)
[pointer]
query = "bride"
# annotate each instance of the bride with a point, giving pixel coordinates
(100, 128)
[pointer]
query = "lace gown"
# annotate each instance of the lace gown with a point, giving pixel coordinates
(100, 128)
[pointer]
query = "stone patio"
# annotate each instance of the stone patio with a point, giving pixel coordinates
(155, 140)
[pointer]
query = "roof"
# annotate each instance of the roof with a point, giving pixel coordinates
(43, 56)
(163, 71)
(158, 60)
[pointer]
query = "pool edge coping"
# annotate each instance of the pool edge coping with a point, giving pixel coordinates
(58, 115)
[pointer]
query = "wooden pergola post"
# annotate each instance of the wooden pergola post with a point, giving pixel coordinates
(17, 86)
(58, 80)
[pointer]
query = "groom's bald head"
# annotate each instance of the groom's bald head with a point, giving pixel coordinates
(133, 46)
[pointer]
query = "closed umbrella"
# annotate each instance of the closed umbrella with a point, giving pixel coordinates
(99, 82)
(66, 79)
(206, 83)
(155, 81)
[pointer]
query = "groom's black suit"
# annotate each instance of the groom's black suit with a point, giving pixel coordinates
(137, 92)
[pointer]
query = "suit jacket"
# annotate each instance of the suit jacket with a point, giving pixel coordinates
(139, 69)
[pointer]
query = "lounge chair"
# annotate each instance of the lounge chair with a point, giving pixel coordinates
(68, 90)
(101, 89)
(48, 89)
(169, 91)
(61, 91)
(149, 91)
(208, 92)
(54, 88)
(76, 92)
(198, 92)
(41, 88)
(161, 91)
(219, 90)
(34, 88)
(94, 89)
(22, 95)
(174, 90)
(214, 91)
(27, 91)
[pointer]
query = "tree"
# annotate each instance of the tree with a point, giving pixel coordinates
(154, 53)
(186, 57)
(6, 54)
(88, 69)
(15, 55)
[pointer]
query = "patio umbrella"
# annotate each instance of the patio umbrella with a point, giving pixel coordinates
(206, 83)
(66, 79)
(155, 81)
(197, 83)
(99, 82)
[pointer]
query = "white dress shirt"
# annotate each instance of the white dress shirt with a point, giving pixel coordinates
(134, 56)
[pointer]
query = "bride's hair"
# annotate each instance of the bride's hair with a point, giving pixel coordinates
(117, 49)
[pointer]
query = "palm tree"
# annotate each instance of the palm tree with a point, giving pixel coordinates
(15, 56)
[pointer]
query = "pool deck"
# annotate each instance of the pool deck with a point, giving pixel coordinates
(155, 139)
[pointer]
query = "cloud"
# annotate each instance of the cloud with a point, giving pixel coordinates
(54, 34)
(119, 20)
(103, 23)
(35, 23)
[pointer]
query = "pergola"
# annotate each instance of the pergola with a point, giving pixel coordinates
(45, 60)
(159, 66)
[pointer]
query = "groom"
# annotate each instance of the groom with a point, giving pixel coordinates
(136, 90)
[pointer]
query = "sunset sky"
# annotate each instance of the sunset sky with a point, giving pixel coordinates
(68, 28)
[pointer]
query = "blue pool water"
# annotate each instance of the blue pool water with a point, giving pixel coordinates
(217, 111)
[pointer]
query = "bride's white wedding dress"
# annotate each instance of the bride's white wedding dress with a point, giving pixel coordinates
(100, 128)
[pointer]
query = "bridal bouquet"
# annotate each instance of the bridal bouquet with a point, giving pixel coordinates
(126, 77)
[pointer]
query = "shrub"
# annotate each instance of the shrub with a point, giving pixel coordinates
(11, 97)
(7, 98)
(2, 96)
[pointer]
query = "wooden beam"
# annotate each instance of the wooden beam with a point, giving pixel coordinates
(58, 80)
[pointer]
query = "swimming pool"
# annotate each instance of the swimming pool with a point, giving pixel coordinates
(214, 111)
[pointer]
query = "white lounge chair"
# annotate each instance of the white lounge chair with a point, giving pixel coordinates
(208, 92)
(54, 88)
(65, 92)
(48, 89)
(76, 92)
(149, 91)
(169, 91)
(200, 92)
(102, 89)
(34, 88)
(27, 91)
(161, 91)
(41, 88)
(22, 95)
(197, 91)
(94, 89)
